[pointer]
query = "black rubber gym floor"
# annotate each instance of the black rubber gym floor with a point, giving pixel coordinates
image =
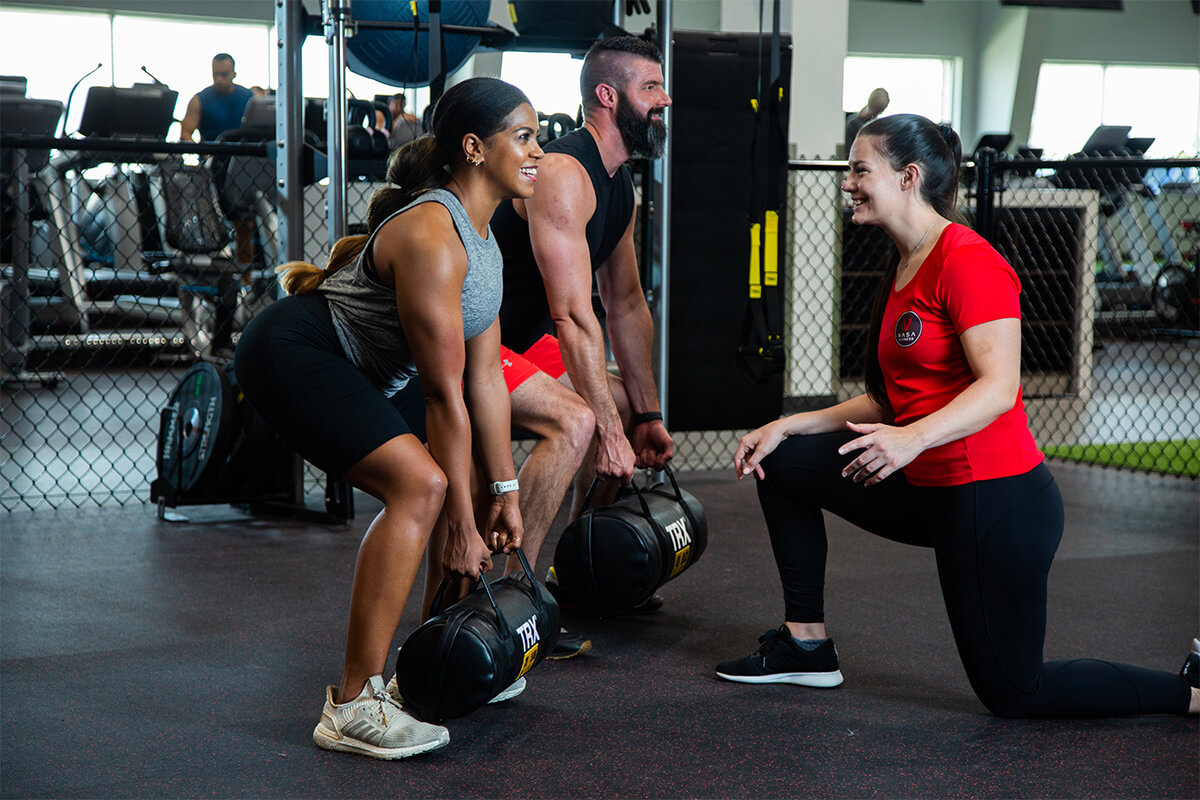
(149, 659)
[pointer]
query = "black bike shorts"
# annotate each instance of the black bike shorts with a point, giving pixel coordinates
(294, 372)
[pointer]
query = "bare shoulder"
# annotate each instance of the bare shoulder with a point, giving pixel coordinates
(559, 172)
(422, 238)
(563, 188)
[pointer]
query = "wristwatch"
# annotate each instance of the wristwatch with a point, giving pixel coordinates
(504, 487)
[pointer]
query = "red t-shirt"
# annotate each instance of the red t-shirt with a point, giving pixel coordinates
(964, 282)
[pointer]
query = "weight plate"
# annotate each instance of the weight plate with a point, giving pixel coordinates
(195, 428)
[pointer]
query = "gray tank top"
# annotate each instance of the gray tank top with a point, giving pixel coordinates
(364, 310)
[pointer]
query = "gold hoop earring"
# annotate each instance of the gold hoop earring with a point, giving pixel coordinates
(475, 161)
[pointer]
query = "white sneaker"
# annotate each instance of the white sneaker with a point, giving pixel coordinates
(373, 724)
(514, 689)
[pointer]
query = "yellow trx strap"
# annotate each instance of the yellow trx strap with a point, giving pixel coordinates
(771, 257)
(755, 255)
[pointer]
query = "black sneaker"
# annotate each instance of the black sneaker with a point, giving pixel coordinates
(779, 659)
(1191, 667)
(568, 646)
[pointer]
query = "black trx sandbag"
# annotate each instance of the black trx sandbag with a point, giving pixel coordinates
(614, 557)
(466, 655)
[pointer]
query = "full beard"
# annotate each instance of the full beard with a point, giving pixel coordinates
(643, 136)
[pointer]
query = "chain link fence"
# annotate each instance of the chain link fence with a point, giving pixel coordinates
(123, 268)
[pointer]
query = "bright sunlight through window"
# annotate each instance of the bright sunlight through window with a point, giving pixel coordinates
(925, 86)
(1072, 100)
(550, 80)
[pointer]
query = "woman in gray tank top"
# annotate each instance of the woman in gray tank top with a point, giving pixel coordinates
(397, 337)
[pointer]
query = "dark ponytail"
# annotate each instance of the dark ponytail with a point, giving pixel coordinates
(416, 167)
(905, 139)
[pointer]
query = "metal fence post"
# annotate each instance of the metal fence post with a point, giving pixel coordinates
(661, 248)
(985, 197)
(289, 131)
(336, 12)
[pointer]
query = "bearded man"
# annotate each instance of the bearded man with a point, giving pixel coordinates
(579, 223)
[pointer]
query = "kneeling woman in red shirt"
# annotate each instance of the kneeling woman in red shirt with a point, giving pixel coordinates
(937, 453)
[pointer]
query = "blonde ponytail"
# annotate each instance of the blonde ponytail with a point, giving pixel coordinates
(301, 277)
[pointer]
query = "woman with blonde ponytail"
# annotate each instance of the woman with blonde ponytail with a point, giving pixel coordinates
(936, 453)
(393, 345)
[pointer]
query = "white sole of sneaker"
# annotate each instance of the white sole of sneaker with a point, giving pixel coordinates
(331, 740)
(514, 689)
(816, 680)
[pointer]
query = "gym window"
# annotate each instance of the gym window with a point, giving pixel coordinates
(175, 52)
(314, 78)
(925, 86)
(1074, 98)
(79, 43)
(550, 80)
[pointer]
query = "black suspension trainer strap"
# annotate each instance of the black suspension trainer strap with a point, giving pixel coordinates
(761, 351)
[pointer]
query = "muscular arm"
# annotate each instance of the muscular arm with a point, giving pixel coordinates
(630, 328)
(631, 335)
(191, 119)
(422, 256)
(488, 406)
(558, 214)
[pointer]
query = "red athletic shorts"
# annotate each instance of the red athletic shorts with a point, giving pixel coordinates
(543, 356)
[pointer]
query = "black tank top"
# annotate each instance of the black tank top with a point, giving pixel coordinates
(524, 313)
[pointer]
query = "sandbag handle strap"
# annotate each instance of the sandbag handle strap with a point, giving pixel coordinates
(587, 497)
(436, 606)
(642, 500)
(534, 594)
(679, 496)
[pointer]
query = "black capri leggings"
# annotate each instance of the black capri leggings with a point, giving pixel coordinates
(994, 541)
(295, 373)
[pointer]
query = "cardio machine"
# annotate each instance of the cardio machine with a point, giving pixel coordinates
(1137, 288)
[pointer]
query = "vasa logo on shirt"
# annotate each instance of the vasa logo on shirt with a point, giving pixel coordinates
(908, 329)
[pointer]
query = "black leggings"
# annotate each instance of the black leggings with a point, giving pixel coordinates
(994, 541)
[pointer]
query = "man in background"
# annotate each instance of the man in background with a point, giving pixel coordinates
(876, 104)
(405, 126)
(218, 108)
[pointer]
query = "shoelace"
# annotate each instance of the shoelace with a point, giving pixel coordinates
(767, 642)
(385, 700)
